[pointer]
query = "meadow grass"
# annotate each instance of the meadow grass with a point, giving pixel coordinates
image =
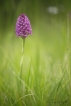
(45, 80)
(46, 75)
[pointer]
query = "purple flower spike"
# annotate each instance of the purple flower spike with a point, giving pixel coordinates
(23, 26)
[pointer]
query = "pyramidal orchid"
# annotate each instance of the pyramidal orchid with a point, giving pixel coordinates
(23, 26)
(23, 29)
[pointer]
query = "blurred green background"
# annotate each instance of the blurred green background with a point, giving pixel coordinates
(49, 26)
(46, 67)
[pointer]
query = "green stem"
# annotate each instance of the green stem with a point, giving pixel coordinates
(68, 50)
(68, 47)
(21, 62)
(68, 32)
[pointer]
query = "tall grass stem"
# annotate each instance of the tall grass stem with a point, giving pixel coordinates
(68, 43)
(68, 50)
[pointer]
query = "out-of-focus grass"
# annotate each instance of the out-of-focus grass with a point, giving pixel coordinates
(46, 66)
(45, 80)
